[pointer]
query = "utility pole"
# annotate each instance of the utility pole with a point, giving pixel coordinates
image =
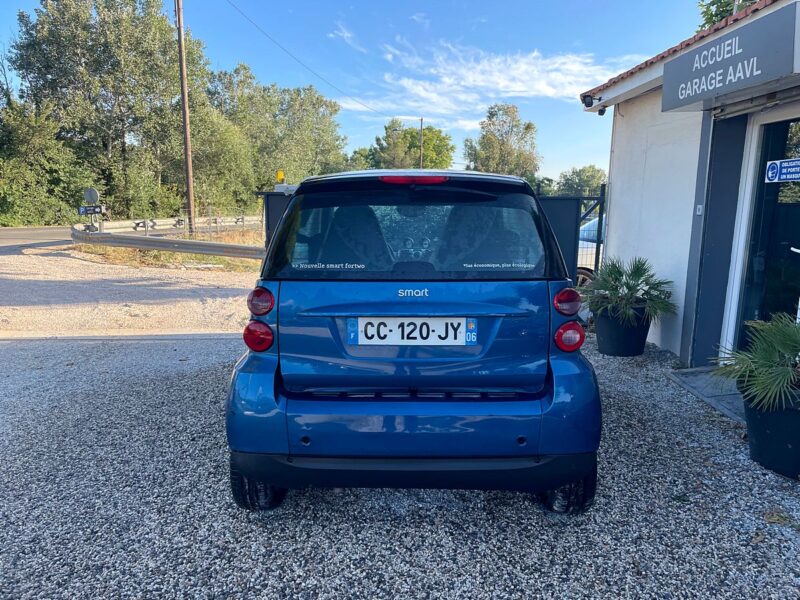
(420, 142)
(187, 137)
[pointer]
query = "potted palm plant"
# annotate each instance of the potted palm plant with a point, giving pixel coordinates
(767, 374)
(625, 299)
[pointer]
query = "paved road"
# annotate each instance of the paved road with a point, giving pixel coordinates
(33, 236)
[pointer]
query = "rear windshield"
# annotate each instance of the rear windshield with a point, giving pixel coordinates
(411, 234)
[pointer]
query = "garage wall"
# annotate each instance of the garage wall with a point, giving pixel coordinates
(651, 195)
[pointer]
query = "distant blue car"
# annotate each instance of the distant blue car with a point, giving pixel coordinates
(414, 329)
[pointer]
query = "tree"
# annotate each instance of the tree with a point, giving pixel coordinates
(359, 160)
(103, 76)
(581, 181)
(713, 11)
(109, 70)
(41, 179)
(437, 147)
(293, 129)
(545, 186)
(391, 151)
(506, 144)
(398, 148)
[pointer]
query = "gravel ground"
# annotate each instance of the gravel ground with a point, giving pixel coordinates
(115, 485)
(55, 291)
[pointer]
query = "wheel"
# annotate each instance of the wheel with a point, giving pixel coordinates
(252, 494)
(575, 497)
(583, 277)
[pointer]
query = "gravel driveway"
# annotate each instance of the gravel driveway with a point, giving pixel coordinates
(114, 484)
(55, 291)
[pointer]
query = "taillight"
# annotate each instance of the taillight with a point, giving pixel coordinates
(567, 302)
(260, 301)
(258, 336)
(409, 179)
(570, 336)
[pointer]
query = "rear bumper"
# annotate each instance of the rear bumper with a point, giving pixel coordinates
(531, 474)
(564, 420)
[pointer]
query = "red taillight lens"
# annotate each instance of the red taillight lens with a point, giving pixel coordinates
(258, 336)
(567, 302)
(570, 336)
(418, 179)
(260, 301)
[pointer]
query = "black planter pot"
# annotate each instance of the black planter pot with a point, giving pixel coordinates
(774, 438)
(616, 339)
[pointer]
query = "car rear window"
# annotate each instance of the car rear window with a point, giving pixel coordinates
(411, 234)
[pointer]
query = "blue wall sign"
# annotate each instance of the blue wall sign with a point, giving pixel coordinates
(783, 170)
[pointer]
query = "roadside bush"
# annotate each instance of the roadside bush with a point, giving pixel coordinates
(41, 180)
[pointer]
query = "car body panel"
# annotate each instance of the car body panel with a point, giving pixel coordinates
(318, 409)
(510, 354)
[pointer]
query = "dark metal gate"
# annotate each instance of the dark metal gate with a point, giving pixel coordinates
(579, 226)
(275, 204)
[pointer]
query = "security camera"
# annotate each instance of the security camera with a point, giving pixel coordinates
(601, 111)
(588, 101)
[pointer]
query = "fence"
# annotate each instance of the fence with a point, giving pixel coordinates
(577, 221)
(173, 226)
(169, 244)
(153, 234)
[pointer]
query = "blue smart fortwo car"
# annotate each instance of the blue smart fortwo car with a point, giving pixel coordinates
(414, 329)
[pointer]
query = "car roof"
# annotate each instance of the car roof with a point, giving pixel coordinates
(375, 173)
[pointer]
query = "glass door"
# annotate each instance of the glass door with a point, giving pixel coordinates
(772, 280)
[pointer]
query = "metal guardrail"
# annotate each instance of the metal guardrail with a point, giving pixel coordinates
(169, 244)
(175, 225)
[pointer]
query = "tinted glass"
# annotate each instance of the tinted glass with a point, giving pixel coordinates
(410, 234)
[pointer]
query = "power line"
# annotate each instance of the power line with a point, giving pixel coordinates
(300, 62)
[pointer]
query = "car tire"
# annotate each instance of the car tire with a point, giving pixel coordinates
(583, 277)
(253, 494)
(573, 498)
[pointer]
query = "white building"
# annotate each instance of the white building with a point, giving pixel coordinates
(694, 185)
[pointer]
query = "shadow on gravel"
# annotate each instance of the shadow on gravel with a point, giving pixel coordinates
(14, 249)
(141, 290)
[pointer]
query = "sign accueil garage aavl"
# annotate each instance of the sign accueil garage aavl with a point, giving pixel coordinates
(759, 52)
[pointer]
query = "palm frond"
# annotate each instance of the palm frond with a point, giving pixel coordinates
(768, 371)
(624, 291)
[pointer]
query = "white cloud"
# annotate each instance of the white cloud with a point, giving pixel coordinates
(422, 19)
(466, 124)
(459, 82)
(347, 36)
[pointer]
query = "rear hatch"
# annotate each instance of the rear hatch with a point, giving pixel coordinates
(398, 300)
(454, 337)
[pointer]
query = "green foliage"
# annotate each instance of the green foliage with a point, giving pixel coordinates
(41, 180)
(768, 372)
(398, 148)
(222, 161)
(105, 75)
(621, 290)
(437, 147)
(544, 186)
(293, 129)
(506, 144)
(391, 151)
(359, 160)
(713, 11)
(581, 181)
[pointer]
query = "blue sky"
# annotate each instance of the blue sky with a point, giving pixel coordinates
(444, 60)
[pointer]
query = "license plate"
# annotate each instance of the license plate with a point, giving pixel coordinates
(412, 331)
